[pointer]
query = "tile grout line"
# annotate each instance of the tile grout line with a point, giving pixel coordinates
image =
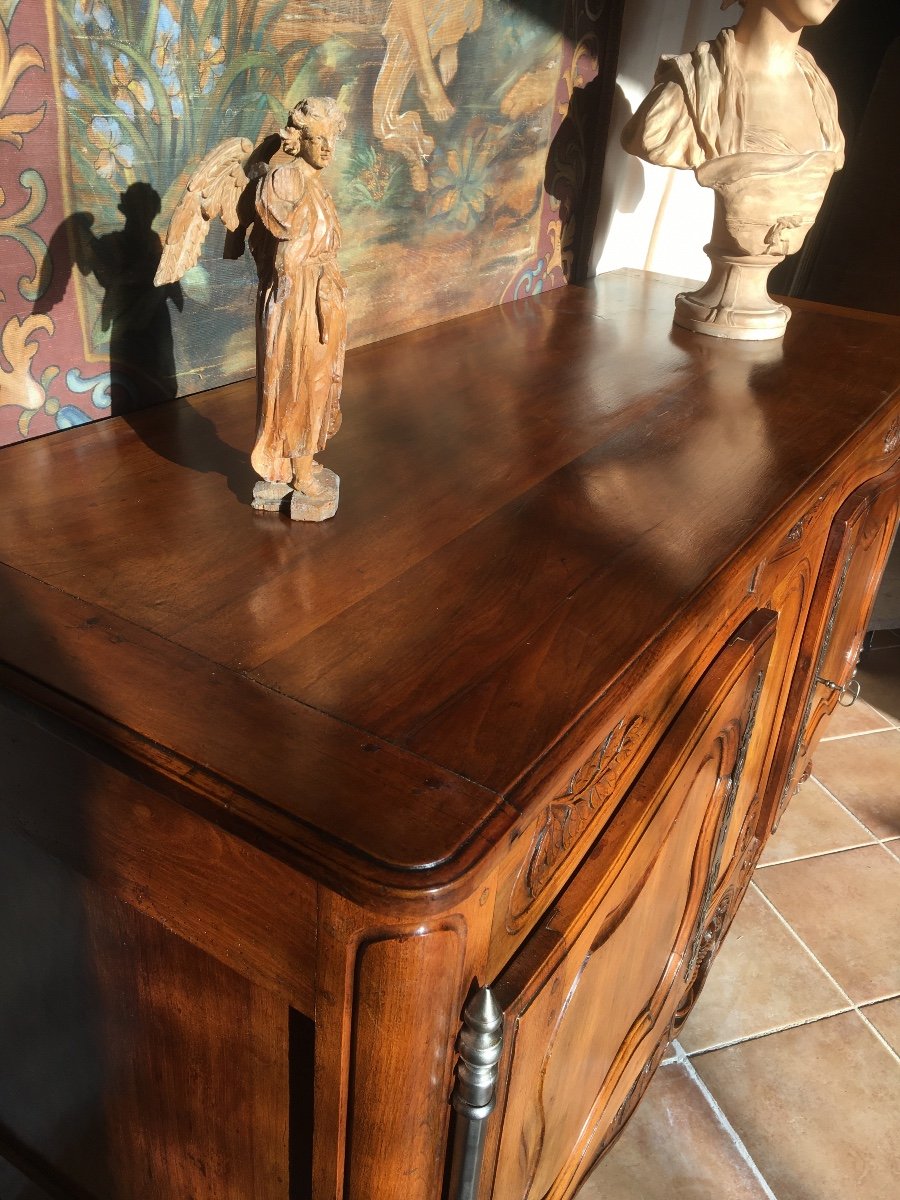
(887, 1045)
(876, 839)
(782, 862)
(726, 1126)
(842, 805)
(796, 936)
(755, 1037)
(890, 853)
(852, 1005)
(858, 733)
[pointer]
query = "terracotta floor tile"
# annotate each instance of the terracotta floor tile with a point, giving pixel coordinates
(844, 906)
(818, 1109)
(762, 979)
(865, 777)
(858, 718)
(673, 1147)
(879, 674)
(886, 1019)
(815, 824)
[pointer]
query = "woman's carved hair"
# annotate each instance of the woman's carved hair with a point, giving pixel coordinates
(316, 108)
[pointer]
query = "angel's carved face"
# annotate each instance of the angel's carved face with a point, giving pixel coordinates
(314, 143)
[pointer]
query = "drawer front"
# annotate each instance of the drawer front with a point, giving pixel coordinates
(592, 997)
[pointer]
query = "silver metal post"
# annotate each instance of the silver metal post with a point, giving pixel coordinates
(479, 1046)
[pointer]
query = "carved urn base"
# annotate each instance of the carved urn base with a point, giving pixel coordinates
(299, 506)
(734, 302)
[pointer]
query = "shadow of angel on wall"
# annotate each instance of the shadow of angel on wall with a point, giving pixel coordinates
(134, 312)
(421, 39)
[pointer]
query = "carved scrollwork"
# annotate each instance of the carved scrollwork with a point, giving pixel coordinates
(792, 783)
(796, 533)
(632, 1099)
(707, 948)
(711, 940)
(892, 437)
(732, 787)
(565, 819)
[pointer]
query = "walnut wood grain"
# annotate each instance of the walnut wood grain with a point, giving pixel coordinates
(858, 545)
(151, 1068)
(571, 1056)
(207, 885)
(276, 800)
(611, 452)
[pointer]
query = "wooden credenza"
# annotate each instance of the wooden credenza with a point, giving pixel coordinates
(278, 801)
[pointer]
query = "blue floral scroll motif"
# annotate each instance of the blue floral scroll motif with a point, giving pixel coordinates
(69, 416)
(97, 385)
(530, 282)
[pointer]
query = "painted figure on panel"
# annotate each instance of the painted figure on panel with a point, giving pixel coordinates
(757, 121)
(422, 40)
(275, 192)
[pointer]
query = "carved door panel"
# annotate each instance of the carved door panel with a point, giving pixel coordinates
(855, 556)
(591, 999)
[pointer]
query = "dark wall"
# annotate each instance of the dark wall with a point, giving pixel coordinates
(852, 257)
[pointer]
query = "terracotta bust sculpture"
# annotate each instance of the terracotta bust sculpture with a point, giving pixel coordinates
(756, 120)
(294, 235)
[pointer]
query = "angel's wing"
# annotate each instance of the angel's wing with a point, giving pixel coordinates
(214, 190)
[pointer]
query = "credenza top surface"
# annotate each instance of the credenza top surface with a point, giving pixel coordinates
(528, 496)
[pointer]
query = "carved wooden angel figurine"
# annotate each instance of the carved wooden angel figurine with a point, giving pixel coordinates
(274, 191)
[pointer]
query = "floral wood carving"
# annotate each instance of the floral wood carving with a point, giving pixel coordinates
(635, 1094)
(563, 821)
(796, 532)
(892, 437)
(707, 947)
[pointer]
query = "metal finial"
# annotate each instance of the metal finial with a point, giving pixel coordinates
(479, 1045)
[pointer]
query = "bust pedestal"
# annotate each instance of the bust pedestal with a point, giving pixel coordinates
(734, 302)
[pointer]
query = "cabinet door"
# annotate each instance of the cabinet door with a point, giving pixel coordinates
(855, 555)
(591, 999)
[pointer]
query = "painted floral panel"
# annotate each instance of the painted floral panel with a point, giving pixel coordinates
(106, 107)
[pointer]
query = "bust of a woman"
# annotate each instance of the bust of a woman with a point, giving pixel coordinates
(756, 120)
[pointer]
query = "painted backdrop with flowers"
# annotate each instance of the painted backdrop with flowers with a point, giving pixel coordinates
(468, 149)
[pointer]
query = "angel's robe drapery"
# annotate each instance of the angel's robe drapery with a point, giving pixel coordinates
(301, 315)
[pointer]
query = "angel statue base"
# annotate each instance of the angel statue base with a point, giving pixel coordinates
(273, 193)
(301, 504)
(756, 120)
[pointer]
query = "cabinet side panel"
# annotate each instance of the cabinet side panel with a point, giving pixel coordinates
(252, 912)
(135, 1064)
